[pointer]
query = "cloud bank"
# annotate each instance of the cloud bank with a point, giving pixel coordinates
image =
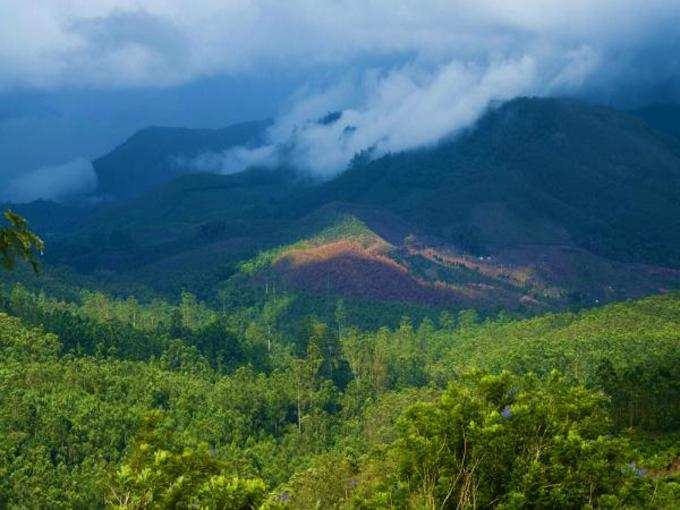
(123, 43)
(401, 109)
(52, 182)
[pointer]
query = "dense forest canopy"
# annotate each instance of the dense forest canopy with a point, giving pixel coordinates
(109, 402)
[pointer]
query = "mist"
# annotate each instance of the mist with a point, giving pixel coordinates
(52, 182)
(411, 106)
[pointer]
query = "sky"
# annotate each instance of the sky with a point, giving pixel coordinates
(79, 76)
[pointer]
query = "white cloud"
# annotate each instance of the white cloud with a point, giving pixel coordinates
(238, 158)
(114, 43)
(52, 182)
(407, 108)
(398, 110)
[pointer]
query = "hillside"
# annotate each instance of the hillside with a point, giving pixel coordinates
(156, 155)
(545, 203)
(334, 324)
(106, 399)
(662, 117)
(367, 253)
(535, 171)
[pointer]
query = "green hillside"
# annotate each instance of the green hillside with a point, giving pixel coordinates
(128, 404)
(544, 204)
(550, 171)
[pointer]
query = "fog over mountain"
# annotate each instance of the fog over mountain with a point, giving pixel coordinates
(402, 77)
(52, 182)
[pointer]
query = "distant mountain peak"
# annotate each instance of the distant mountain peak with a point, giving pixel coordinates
(150, 156)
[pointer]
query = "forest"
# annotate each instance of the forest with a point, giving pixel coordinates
(119, 403)
(451, 337)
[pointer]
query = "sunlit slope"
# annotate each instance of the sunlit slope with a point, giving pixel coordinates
(544, 203)
(536, 171)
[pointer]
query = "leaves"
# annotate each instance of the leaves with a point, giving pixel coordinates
(155, 405)
(17, 241)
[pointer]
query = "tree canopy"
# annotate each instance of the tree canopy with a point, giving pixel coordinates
(118, 403)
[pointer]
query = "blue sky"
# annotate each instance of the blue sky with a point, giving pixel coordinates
(77, 77)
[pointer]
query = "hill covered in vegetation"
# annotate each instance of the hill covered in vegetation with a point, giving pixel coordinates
(108, 402)
(535, 171)
(544, 204)
(389, 338)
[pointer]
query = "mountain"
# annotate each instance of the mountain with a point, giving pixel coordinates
(662, 117)
(543, 204)
(535, 171)
(156, 155)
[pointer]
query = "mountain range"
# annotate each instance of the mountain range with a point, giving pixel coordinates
(542, 204)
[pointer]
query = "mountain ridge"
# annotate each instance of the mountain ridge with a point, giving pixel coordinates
(155, 155)
(543, 203)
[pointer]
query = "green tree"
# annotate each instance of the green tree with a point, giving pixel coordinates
(18, 242)
(340, 317)
(158, 476)
(512, 442)
(272, 311)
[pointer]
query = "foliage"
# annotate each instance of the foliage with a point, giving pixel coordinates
(629, 350)
(154, 477)
(511, 442)
(17, 241)
(115, 402)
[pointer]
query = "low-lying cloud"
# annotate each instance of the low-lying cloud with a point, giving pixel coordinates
(408, 107)
(52, 182)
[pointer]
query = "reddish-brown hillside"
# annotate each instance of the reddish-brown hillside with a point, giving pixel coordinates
(346, 268)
